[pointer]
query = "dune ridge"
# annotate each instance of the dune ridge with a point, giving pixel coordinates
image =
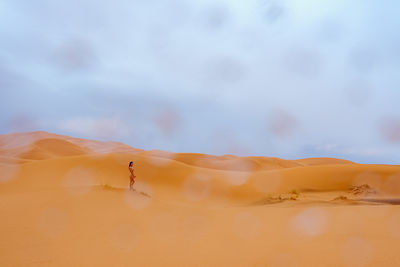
(244, 178)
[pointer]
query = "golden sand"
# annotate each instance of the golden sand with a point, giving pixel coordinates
(65, 202)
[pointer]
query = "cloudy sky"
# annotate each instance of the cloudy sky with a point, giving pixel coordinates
(284, 78)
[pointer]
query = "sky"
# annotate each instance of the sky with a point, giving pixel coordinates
(279, 78)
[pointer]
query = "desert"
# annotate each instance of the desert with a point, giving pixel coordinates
(65, 201)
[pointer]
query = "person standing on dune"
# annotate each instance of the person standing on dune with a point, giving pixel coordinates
(131, 176)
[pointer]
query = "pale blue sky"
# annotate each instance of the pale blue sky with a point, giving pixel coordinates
(284, 78)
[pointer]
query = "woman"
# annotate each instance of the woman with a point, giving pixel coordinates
(132, 175)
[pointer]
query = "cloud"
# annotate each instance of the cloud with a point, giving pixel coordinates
(390, 129)
(350, 151)
(331, 66)
(103, 127)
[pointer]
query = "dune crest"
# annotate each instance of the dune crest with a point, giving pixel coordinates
(51, 147)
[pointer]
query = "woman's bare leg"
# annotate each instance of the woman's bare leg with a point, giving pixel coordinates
(131, 184)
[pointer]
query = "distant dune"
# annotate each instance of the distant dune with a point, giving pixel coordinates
(64, 202)
(52, 147)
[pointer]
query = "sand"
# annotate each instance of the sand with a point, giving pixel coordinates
(65, 202)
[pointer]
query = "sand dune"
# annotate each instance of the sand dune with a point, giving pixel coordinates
(17, 143)
(234, 163)
(64, 202)
(52, 147)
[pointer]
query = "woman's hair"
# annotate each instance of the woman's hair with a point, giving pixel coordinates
(130, 163)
